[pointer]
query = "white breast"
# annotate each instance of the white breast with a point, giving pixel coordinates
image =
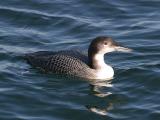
(103, 70)
(106, 72)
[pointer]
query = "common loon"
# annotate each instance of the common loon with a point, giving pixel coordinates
(77, 64)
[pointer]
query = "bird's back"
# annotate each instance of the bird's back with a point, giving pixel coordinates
(66, 62)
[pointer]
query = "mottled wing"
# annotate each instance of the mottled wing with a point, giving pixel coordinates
(68, 62)
(65, 64)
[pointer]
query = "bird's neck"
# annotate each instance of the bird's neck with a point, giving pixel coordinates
(103, 71)
(96, 61)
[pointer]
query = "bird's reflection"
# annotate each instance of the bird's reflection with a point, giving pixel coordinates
(95, 87)
(100, 111)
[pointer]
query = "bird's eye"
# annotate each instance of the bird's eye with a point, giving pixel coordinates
(105, 43)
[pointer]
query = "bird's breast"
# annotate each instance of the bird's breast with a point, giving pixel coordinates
(106, 72)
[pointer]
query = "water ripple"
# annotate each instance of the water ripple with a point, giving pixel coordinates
(28, 26)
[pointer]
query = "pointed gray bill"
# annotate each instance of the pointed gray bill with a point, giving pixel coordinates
(123, 49)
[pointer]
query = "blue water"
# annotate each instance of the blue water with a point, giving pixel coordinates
(33, 25)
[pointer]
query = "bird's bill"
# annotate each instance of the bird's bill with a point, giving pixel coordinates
(123, 49)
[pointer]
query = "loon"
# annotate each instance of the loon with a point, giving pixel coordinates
(75, 63)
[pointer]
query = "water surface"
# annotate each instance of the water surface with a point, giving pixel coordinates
(33, 25)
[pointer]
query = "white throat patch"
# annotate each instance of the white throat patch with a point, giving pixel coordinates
(104, 71)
